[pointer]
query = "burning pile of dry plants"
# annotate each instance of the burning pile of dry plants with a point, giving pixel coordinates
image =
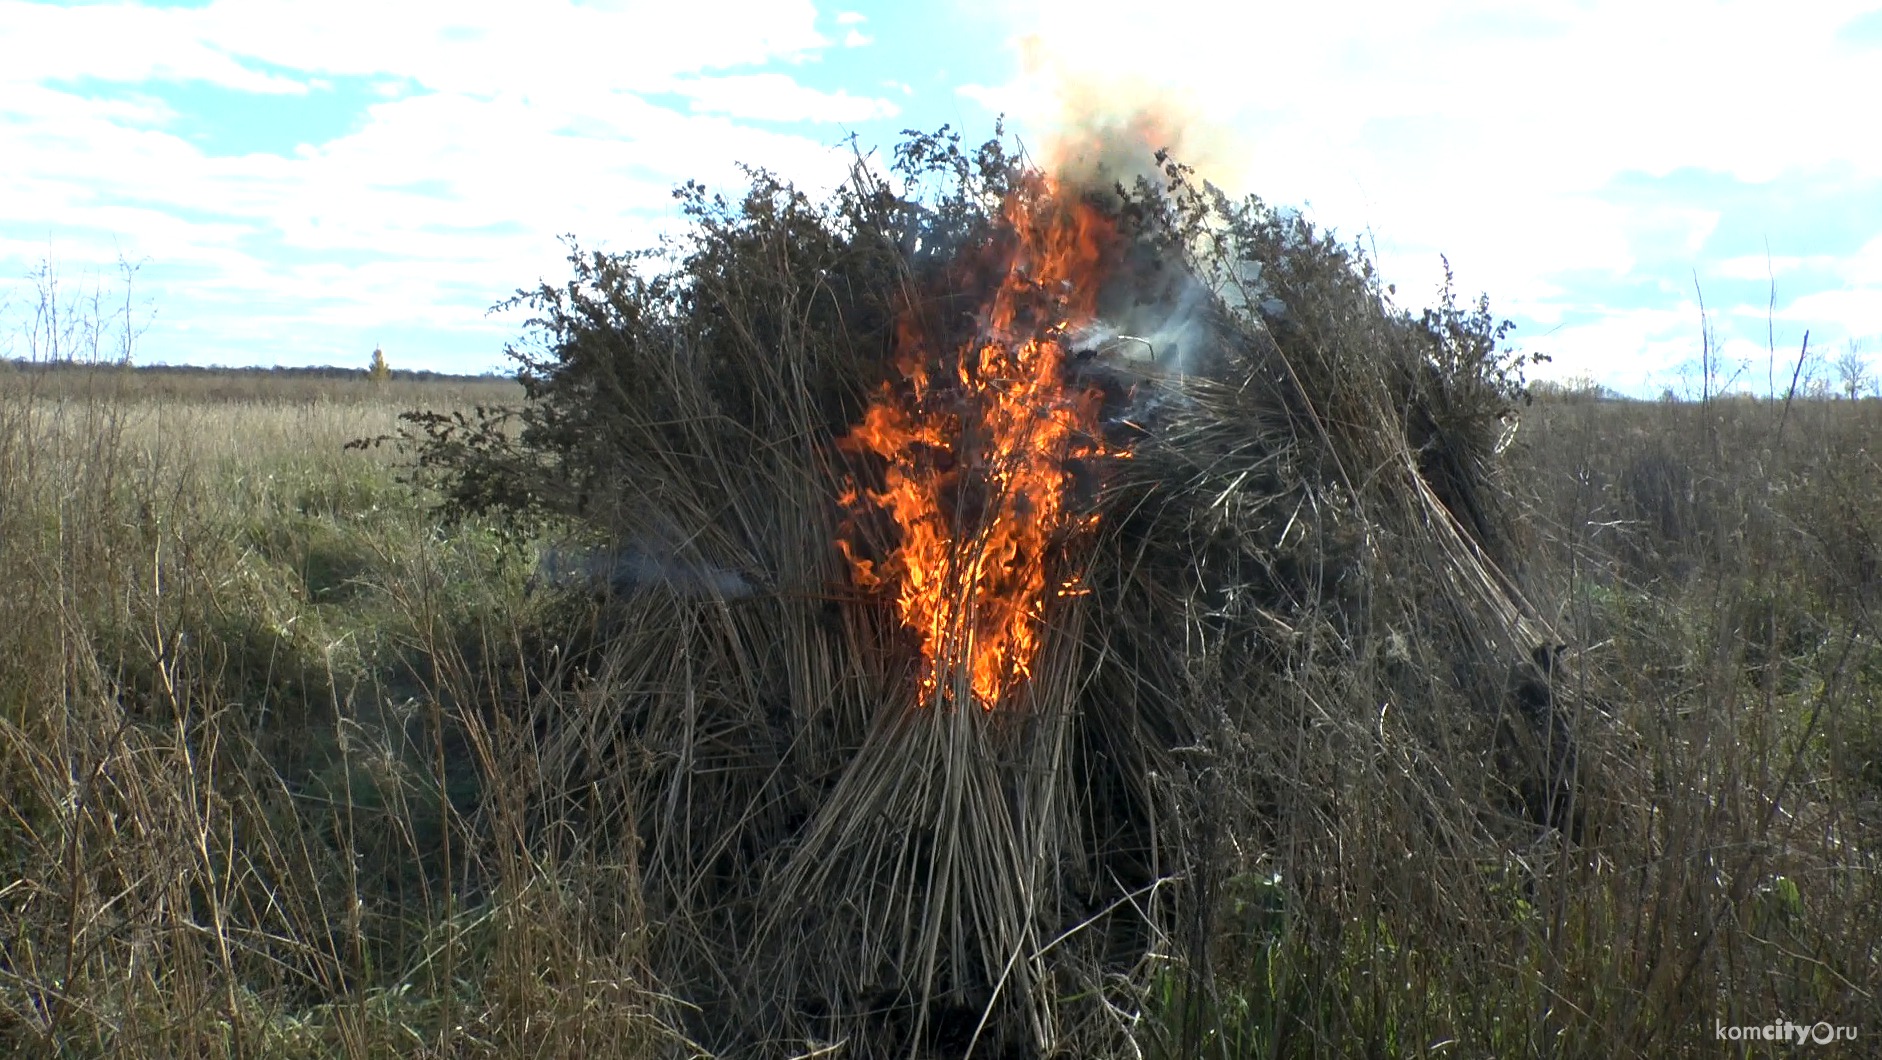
(1009, 572)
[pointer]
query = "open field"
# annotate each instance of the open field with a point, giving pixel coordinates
(233, 822)
(264, 790)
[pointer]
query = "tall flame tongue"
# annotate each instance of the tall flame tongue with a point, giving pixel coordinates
(981, 468)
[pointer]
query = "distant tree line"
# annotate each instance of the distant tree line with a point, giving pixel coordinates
(325, 371)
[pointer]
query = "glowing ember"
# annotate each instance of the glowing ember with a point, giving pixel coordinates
(982, 468)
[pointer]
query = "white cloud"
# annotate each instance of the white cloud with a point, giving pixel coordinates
(1865, 266)
(493, 133)
(1751, 267)
(471, 46)
(851, 18)
(775, 97)
(857, 39)
(123, 43)
(1637, 350)
(1857, 309)
(463, 216)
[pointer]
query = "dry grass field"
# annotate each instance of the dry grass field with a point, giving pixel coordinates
(254, 800)
(236, 818)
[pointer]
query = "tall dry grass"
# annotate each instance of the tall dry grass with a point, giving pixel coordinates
(1717, 566)
(251, 803)
(240, 821)
(1714, 568)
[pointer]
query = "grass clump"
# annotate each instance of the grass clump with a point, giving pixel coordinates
(1304, 654)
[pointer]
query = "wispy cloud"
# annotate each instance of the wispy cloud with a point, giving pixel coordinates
(468, 135)
(776, 97)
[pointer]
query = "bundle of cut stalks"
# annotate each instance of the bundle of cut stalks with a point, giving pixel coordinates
(1285, 616)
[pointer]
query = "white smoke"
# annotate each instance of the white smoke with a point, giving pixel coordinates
(638, 567)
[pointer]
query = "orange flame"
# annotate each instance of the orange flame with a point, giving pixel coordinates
(983, 469)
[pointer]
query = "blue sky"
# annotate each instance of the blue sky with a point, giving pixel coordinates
(302, 182)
